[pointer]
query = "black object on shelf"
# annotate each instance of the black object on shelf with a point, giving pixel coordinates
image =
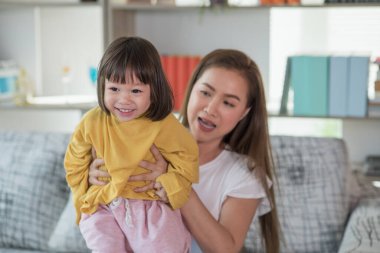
(372, 165)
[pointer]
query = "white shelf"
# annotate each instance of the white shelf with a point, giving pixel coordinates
(63, 3)
(148, 7)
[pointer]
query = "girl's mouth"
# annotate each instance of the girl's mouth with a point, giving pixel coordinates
(124, 110)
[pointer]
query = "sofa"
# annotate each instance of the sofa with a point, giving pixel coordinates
(322, 205)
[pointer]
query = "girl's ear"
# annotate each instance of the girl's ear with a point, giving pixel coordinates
(245, 113)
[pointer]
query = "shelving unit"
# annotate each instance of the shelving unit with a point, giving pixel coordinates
(44, 37)
(193, 30)
(257, 31)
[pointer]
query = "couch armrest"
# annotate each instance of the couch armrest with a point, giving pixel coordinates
(362, 233)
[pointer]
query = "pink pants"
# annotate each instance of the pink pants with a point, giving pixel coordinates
(135, 226)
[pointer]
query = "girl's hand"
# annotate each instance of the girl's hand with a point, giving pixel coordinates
(157, 168)
(94, 172)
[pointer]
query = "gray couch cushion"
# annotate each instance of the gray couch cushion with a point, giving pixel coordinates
(363, 229)
(33, 189)
(313, 194)
(67, 236)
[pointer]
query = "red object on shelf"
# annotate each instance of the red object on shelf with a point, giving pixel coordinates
(182, 79)
(178, 70)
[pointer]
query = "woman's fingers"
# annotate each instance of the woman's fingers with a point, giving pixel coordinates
(161, 163)
(157, 168)
(144, 188)
(95, 173)
(142, 177)
(93, 153)
(160, 192)
(94, 166)
(156, 153)
(96, 181)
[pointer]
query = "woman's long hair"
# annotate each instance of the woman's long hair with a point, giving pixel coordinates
(250, 136)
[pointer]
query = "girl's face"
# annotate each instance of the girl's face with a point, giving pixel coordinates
(218, 101)
(127, 101)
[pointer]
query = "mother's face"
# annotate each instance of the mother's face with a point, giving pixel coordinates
(218, 101)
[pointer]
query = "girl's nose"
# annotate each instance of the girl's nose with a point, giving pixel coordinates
(125, 97)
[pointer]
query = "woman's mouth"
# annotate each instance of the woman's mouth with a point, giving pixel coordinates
(205, 124)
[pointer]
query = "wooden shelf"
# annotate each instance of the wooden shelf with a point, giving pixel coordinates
(274, 115)
(21, 4)
(148, 7)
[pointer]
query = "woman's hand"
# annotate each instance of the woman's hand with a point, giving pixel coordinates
(95, 173)
(156, 169)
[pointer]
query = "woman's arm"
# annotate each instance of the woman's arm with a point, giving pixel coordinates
(227, 234)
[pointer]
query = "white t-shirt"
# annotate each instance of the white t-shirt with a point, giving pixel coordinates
(228, 175)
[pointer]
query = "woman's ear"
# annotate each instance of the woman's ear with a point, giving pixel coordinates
(245, 113)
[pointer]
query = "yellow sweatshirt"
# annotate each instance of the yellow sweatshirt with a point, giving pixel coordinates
(122, 145)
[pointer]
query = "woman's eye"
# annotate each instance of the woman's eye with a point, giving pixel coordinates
(229, 104)
(205, 93)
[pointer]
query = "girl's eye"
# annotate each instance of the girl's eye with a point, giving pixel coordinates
(113, 89)
(136, 91)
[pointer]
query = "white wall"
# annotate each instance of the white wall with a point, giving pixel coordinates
(39, 120)
(362, 138)
(199, 31)
(73, 37)
(44, 39)
(18, 37)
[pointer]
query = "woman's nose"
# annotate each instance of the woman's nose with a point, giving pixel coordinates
(211, 108)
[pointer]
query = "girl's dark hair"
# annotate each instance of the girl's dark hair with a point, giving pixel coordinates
(250, 136)
(136, 57)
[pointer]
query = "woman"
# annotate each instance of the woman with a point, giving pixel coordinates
(225, 111)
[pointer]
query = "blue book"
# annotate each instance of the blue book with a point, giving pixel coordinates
(357, 99)
(309, 79)
(338, 86)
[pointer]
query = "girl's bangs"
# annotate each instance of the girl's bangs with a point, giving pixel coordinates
(124, 69)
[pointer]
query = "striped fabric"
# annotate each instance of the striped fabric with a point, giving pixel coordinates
(33, 190)
(363, 228)
(313, 194)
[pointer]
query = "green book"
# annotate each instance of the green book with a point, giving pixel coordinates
(285, 89)
(309, 79)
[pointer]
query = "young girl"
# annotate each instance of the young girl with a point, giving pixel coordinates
(135, 104)
(225, 111)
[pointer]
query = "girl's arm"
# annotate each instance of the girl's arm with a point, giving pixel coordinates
(227, 234)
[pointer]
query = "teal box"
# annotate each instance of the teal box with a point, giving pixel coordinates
(8, 79)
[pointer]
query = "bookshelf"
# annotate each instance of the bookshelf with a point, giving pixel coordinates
(257, 31)
(56, 31)
(183, 31)
(48, 3)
